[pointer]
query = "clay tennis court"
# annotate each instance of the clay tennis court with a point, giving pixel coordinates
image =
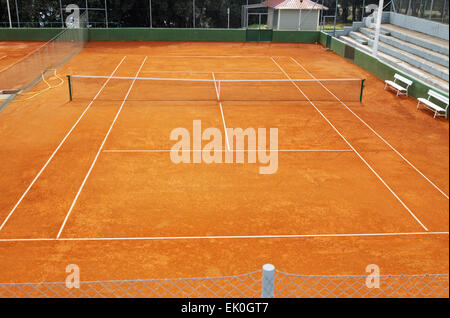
(13, 51)
(90, 181)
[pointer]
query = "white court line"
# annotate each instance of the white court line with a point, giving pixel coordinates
(356, 152)
(59, 146)
(225, 127)
(197, 72)
(215, 56)
(224, 237)
(215, 86)
(99, 151)
(221, 111)
(264, 150)
(376, 133)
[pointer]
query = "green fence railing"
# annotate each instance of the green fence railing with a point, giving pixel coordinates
(56, 24)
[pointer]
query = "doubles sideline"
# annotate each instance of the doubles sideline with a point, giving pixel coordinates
(375, 132)
(100, 150)
(354, 150)
(59, 146)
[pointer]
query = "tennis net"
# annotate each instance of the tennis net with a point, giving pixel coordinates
(29, 70)
(177, 89)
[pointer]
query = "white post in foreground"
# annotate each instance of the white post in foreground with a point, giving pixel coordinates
(378, 27)
(9, 14)
(268, 281)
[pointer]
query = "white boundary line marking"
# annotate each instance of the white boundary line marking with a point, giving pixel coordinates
(199, 72)
(356, 152)
(214, 56)
(221, 111)
(215, 86)
(225, 237)
(59, 146)
(98, 152)
(225, 127)
(167, 150)
(376, 133)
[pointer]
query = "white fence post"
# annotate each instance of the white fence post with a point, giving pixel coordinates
(268, 281)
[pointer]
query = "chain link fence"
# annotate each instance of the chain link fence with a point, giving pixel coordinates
(28, 71)
(190, 13)
(435, 10)
(391, 286)
(131, 13)
(264, 283)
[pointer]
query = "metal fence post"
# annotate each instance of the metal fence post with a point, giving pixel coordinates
(87, 13)
(193, 13)
(61, 13)
(268, 281)
(17, 14)
(106, 13)
(9, 14)
(431, 9)
(150, 13)
(443, 11)
(335, 19)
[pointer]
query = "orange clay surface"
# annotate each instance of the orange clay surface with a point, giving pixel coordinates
(140, 216)
(13, 51)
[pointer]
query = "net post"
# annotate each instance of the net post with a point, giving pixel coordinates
(268, 280)
(362, 90)
(69, 81)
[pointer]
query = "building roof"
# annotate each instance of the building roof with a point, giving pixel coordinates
(294, 5)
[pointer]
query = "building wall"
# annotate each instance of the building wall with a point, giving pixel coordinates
(309, 20)
(289, 19)
(275, 19)
(270, 18)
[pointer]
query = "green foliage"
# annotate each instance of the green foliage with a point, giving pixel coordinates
(165, 13)
(132, 13)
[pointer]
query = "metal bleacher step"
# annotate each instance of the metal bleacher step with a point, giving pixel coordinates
(403, 66)
(410, 58)
(418, 38)
(428, 54)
